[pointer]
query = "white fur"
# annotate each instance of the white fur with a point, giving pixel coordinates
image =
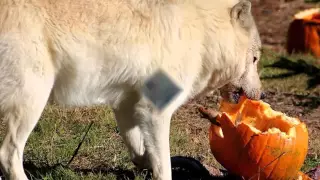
(87, 52)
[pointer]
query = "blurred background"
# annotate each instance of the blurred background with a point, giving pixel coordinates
(273, 18)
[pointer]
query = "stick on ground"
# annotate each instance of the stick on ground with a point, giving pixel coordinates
(79, 145)
(209, 114)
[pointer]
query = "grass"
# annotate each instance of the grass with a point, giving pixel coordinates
(103, 154)
(292, 74)
(53, 144)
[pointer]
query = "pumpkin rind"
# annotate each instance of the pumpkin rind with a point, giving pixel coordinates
(251, 146)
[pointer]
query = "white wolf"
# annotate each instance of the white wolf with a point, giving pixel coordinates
(86, 52)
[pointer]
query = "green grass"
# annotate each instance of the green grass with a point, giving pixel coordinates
(58, 134)
(310, 162)
(103, 154)
(294, 79)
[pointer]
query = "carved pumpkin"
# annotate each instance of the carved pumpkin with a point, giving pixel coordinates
(257, 142)
(304, 33)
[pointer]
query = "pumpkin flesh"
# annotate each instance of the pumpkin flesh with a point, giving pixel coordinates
(254, 138)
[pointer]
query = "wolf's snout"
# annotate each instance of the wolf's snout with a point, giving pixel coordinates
(255, 94)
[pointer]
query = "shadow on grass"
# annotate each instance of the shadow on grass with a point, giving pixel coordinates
(185, 168)
(36, 172)
(191, 169)
(296, 68)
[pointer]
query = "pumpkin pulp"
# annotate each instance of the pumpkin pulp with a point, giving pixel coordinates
(260, 118)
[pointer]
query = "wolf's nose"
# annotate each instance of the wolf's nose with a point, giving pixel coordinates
(262, 95)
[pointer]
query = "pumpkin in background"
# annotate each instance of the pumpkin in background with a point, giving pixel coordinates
(253, 138)
(304, 33)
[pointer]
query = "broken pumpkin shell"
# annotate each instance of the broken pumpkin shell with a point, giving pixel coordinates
(257, 142)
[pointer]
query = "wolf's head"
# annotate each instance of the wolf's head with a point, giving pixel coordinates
(247, 80)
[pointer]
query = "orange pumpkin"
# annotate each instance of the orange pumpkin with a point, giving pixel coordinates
(256, 142)
(303, 33)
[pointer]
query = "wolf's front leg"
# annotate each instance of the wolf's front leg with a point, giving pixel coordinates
(146, 135)
(156, 129)
(128, 122)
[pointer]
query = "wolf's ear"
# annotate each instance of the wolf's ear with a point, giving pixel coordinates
(241, 14)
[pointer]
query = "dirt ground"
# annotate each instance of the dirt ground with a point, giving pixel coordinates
(273, 18)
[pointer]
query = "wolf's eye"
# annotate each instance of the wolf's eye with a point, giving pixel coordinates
(255, 59)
